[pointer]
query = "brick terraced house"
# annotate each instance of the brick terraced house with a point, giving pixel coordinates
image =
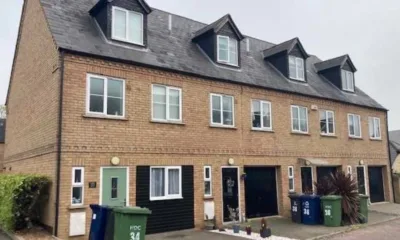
(123, 104)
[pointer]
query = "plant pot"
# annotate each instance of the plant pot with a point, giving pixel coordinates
(264, 233)
(248, 230)
(236, 228)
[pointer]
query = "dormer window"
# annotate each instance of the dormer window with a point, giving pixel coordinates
(348, 81)
(296, 68)
(127, 26)
(227, 50)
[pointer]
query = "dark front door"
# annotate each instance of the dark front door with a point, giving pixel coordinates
(376, 184)
(230, 191)
(260, 188)
(325, 172)
(361, 180)
(306, 180)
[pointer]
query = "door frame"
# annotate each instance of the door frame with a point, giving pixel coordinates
(365, 179)
(101, 183)
(312, 177)
(222, 193)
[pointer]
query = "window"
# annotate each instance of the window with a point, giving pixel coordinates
(354, 125)
(261, 115)
(327, 122)
(127, 26)
(77, 186)
(291, 178)
(114, 187)
(167, 103)
(296, 68)
(227, 50)
(299, 119)
(306, 180)
(374, 128)
(105, 96)
(362, 187)
(165, 183)
(347, 81)
(222, 110)
(350, 171)
(207, 181)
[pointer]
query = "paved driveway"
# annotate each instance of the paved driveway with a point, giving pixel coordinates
(190, 235)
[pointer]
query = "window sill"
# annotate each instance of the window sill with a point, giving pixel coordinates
(165, 199)
(89, 115)
(168, 122)
(223, 127)
(298, 80)
(262, 130)
(301, 133)
(355, 138)
(328, 135)
(77, 207)
(208, 198)
(227, 64)
(376, 139)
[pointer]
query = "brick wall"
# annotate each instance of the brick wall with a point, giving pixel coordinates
(32, 105)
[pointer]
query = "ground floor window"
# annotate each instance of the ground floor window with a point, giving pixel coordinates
(77, 185)
(165, 183)
(361, 180)
(350, 171)
(207, 181)
(291, 178)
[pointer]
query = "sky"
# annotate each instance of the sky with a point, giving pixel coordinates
(367, 30)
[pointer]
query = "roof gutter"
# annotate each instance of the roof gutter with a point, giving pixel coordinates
(59, 135)
(210, 78)
(390, 163)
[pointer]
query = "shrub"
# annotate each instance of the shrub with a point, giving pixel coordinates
(20, 198)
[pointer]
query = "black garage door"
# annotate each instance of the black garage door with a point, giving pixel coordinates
(376, 184)
(260, 189)
(167, 215)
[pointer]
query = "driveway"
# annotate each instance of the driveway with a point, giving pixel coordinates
(190, 235)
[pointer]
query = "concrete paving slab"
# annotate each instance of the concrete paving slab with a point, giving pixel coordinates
(190, 235)
(388, 208)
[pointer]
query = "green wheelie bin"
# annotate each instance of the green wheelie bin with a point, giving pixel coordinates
(363, 208)
(332, 209)
(130, 223)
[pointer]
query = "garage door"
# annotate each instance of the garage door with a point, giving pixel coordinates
(260, 191)
(376, 184)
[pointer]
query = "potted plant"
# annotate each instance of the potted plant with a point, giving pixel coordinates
(234, 216)
(265, 231)
(248, 230)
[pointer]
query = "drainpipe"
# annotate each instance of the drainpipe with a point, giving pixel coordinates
(58, 177)
(390, 163)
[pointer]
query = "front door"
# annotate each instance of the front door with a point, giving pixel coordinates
(306, 180)
(260, 189)
(114, 187)
(376, 184)
(323, 172)
(230, 191)
(361, 180)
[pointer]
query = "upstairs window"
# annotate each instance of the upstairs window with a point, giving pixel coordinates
(299, 119)
(296, 68)
(347, 81)
(374, 128)
(261, 115)
(227, 50)
(327, 122)
(167, 103)
(127, 26)
(105, 96)
(354, 122)
(222, 111)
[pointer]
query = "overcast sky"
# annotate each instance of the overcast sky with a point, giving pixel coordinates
(367, 30)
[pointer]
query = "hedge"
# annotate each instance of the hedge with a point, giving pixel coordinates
(21, 196)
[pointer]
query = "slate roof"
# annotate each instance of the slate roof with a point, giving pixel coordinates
(285, 46)
(394, 139)
(74, 29)
(2, 130)
(338, 61)
(217, 25)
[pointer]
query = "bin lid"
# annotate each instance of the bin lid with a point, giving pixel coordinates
(331, 197)
(97, 206)
(309, 196)
(363, 196)
(294, 195)
(132, 210)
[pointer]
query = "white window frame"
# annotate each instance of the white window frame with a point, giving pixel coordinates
(291, 177)
(208, 179)
(346, 80)
(229, 51)
(292, 120)
(297, 77)
(167, 88)
(350, 171)
(166, 195)
(359, 123)
(365, 178)
(261, 112)
(221, 124)
(80, 184)
(375, 129)
(126, 25)
(105, 100)
(327, 123)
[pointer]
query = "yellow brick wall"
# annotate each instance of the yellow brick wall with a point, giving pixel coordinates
(31, 130)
